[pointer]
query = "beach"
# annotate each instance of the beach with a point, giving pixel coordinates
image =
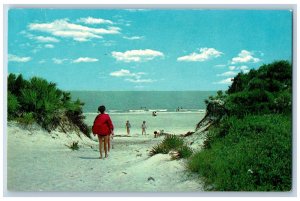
(171, 122)
(39, 161)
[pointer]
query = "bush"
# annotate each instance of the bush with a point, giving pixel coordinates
(254, 155)
(12, 106)
(74, 146)
(185, 151)
(26, 119)
(172, 143)
(42, 101)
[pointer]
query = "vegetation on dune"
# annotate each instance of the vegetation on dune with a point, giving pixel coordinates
(249, 154)
(249, 145)
(172, 143)
(37, 100)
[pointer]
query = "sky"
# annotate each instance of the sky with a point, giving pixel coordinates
(143, 49)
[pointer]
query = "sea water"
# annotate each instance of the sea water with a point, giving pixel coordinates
(177, 111)
(124, 101)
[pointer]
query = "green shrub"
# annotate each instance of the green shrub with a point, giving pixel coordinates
(254, 155)
(26, 119)
(12, 106)
(74, 146)
(185, 151)
(158, 149)
(45, 102)
(172, 143)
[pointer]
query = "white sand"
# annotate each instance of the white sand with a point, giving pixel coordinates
(39, 161)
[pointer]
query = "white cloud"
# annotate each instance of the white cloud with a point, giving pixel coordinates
(85, 60)
(243, 57)
(137, 80)
(59, 61)
(205, 54)
(49, 46)
(244, 67)
(231, 67)
(91, 20)
(41, 39)
(226, 81)
(15, 58)
(137, 55)
(44, 39)
(63, 28)
(133, 37)
(228, 73)
(131, 77)
(220, 65)
(42, 61)
(123, 73)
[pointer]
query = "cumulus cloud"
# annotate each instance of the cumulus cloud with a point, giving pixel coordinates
(15, 58)
(133, 37)
(244, 67)
(41, 39)
(228, 73)
(137, 80)
(49, 46)
(131, 77)
(44, 39)
(231, 67)
(123, 73)
(244, 57)
(91, 20)
(63, 28)
(137, 55)
(220, 65)
(203, 55)
(84, 60)
(226, 81)
(59, 61)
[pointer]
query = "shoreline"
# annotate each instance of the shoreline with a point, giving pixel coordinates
(147, 112)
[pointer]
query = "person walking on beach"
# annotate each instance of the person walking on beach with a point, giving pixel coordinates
(128, 126)
(144, 127)
(103, 128)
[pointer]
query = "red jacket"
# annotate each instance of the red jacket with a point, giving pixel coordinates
(103, 125)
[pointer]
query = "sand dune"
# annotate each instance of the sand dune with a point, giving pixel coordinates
(39, 161)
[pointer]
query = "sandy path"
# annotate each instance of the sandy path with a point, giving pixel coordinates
(38, 161)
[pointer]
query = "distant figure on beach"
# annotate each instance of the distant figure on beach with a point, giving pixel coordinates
(154, 114)
(144, 128)
(156, 134)
(103, 128)
(160, 133)
(128, 126)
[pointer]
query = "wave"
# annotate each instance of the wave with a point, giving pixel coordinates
(150, 111)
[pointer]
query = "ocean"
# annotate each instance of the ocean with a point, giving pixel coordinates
(138, 106)
(125, 101)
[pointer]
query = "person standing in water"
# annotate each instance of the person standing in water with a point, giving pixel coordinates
(128, 126)
(144, 128)
(103, 128)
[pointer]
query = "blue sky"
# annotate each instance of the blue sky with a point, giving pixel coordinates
(137, 49)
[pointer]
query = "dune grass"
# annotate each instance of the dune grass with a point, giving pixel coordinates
(172, 143)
